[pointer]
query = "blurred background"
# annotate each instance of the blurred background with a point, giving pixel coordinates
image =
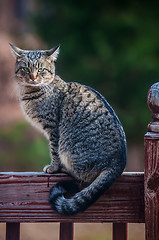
(113, 46)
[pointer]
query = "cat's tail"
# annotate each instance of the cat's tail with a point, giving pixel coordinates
(82, 199)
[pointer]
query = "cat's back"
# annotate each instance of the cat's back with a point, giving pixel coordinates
(84, 103)
(88, 121)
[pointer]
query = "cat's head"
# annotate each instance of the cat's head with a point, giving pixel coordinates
(34, 68)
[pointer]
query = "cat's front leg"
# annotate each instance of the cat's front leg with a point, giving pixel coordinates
(54, 166)
(50, 168)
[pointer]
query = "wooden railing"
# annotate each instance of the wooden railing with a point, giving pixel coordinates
(24, 198)
(133, 198)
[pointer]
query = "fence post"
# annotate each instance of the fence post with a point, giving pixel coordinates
(12, 231)
(66, 231)
(151, 182)
(120, 231)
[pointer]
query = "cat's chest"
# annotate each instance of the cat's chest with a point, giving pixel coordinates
(40, 114)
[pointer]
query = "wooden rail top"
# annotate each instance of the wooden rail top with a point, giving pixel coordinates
(24, 198)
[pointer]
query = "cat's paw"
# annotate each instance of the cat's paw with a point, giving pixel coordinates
(49, 169)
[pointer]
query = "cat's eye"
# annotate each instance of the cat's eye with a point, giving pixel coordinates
(26, 69)
(41, 69)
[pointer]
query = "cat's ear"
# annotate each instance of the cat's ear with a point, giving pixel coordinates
(16, 52)
(53, 52)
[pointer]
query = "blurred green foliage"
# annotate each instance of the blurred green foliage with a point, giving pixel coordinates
(21, 150)
(112, 46)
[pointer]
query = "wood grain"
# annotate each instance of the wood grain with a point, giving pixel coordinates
(152, 187)
(24, 198)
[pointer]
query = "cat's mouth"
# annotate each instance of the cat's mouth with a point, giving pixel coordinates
(35, 83)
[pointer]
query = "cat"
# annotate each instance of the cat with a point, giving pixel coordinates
(85, 136)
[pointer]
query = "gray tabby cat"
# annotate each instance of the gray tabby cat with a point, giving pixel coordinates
(85, 136)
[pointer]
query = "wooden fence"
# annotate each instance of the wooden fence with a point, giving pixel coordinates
(134, 198)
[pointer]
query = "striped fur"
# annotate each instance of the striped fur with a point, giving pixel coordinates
(85, 136)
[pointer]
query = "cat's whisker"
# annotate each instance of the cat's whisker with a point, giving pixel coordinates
(47, 88)
(43, 87)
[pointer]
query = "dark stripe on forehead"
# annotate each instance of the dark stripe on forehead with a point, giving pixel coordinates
(33, 56)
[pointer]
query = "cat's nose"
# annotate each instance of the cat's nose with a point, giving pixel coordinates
(33, 76)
